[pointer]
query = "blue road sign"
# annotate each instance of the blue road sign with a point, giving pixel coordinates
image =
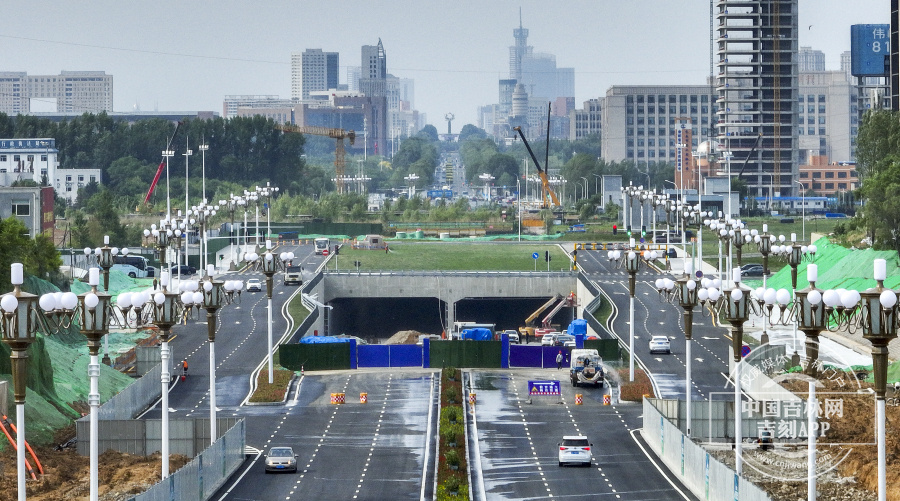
(535, 255)
(745, 350)
(543, 387)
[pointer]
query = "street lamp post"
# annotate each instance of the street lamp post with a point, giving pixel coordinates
(685, 289)
(168, 154)
(187, 155)
(803, 216)
(203, 147)
(632, 262)
(270, 262)
(165, 315)
(19, 327)
(879, 326)
(736, 304)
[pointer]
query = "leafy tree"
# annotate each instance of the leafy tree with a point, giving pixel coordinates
(879, 136)
(429, 132)
(39, 255)
(470, 131)
(882, 209)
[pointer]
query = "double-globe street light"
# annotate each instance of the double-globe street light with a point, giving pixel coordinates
(632, 261)
(269, 263)
(684, 290)
(734, 302)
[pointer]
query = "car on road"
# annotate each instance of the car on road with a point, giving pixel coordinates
(151, 271)
(186, 270)
(513, 336)
(660, 344)
(565, 340)
(254, 285)
(575, 449)
(752, 270)
(281, 459)
(549, 339)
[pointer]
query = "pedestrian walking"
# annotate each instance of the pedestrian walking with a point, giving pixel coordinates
(559, 360)
(184, 367)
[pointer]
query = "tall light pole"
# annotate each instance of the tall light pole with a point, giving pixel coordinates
(168, 154)
(803, 216)
(632, 262)
(187, 155)
(269, 263)
(203, 147)
(586, 189)
(735, 303)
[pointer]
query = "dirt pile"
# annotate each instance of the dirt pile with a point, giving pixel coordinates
(404, 337)
(66, 475)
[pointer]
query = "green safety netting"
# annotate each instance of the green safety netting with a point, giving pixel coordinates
(838, 268)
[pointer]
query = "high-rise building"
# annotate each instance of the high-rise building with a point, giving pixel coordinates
(373, 70)
(586, 121)
(234, 102)
(810, 60)
(640, 123)
(756, 91)
(313, 71)
(72, 91)
(828, 117)
(518, 51)
(353, 75)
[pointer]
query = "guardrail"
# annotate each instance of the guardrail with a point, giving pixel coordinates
(413, 273)
(705, 476)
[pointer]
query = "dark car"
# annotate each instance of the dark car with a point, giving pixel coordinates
(151, 271)
(186, 270)
(752, 270)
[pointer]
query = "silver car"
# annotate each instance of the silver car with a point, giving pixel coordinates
(575, 449)
(281, 459)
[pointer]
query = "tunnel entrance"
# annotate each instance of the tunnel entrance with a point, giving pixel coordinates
(376, 319)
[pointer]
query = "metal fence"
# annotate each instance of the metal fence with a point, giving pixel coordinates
(135, 398)
(205, 474)
(144, 437)
(705, 476)
(713, 421)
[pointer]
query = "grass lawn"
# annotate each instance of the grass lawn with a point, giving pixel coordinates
(452, 256)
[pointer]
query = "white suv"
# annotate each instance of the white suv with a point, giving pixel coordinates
(575, 449)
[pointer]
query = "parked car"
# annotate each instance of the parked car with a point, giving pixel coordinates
(565, 340)
(752, 270)
(281, 459)
(254, 285)
(549, 339)
(575, 449)
(186, 270)
(660, 344)
(513, 336)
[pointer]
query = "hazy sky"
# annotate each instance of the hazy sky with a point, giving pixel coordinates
(183, 55)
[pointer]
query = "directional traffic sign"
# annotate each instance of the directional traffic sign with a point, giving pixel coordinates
(535, 255)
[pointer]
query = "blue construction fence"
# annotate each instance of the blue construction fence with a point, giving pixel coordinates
(435, 353)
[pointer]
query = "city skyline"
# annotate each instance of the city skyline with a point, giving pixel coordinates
(181, 57)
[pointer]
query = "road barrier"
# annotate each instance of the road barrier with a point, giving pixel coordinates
(471, 399)
(337, 398)
(606, 399)
(363, 398)
(579, 399)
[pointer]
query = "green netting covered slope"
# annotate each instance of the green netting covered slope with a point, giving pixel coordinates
(839, 267)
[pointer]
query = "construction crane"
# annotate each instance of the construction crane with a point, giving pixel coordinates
(338, 134)
(541, 172)
(528, 329)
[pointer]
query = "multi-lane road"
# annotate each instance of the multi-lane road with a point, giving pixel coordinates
(384, 449)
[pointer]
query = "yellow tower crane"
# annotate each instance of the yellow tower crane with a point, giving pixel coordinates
(338, 134)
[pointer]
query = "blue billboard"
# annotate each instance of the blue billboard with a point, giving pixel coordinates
(869, 49)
